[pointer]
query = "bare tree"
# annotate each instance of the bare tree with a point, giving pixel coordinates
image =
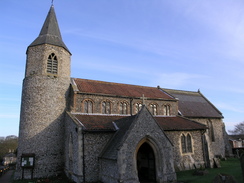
(238, 130)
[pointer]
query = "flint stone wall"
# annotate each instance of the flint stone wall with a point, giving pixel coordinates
(78, 105)
(145, 129)
(95, 142)
(217, 142)
(44, 101)
(186, 161)
(82, 160)
(73, 150)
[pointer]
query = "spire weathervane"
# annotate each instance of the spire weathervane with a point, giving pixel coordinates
(52, 2)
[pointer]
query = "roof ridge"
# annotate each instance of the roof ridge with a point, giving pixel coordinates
(180, 91)
(114, 83)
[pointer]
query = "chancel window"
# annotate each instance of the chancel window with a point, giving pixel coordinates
(166, 110)
(186, 143)
(52, 64)
(123, 108)
(88, 106)
(138, 107)
(211, 130)
(153, 109)
(106, 107)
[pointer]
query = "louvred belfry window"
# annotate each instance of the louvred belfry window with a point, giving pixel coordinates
(52, 64)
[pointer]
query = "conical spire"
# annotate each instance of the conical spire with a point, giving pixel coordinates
(50, 33)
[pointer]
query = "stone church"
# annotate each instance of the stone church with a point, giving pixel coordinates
(97, 131)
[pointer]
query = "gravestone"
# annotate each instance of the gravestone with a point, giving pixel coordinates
(216, 163)
(224, 178)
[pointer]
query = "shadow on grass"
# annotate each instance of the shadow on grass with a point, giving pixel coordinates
(231, 167)
(60, 179)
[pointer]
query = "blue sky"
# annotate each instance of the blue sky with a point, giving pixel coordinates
(183, 44)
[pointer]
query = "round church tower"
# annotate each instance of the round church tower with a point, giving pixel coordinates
(43, 105)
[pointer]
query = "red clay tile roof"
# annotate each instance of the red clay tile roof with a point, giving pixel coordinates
(104, 122)
(98, 122)
(118, 89)
(178, 123)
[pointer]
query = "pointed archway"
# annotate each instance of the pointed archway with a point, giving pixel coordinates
(146, 167)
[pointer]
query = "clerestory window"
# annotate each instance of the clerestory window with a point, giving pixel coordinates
(52, 64)
(88, 106)
(106, 107)
(123, 108)
(138, 107)
(166, 110)
(153, 108)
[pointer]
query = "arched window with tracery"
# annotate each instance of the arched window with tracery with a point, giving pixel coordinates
(166, 110)
(52, 64)
(183, 143)
(88, 106)
(186, 143)
(153, 109)
(123, 108)
(189, 143)
(106, 107)
(138, 107)
(211, 130)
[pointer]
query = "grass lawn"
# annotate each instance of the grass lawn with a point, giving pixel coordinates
(231, 166)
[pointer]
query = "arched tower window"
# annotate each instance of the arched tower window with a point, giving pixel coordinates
(88, 106)
(138, 107)
(166, 110)
(106, 107)
(52, 64)
(186, 143)
(123, 108)
(153, 109)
